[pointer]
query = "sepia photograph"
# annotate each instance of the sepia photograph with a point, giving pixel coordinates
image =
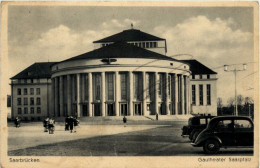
(129, 84)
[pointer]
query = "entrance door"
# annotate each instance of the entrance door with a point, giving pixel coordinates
(85, 110)
(97, 110)
(123, 109)
(138, 109)
(110, 109)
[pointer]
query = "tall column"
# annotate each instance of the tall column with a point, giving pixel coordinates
(61, 96)
(53, 97)
(103, 95)
(56, 97)
(156, 84)
(90, 94)
(144, 94)
(78, 95)
(188, 94)
(176, 94)
(182, 94)
(117, 93)
(131, 92)
(69, 95)
(166, 95)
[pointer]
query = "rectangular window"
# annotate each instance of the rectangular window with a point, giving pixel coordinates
(19, 110)
(31, 101)
(25, 80)
(31, 80)
(25, 101)
(193, 76)
(147, 45)
(110, 86)
(38, 101)
(201, 94)
(31, 91)
(38, 91)
(38, 110)
(25, 91)
(208, 94)
(155, 44)
(143, 44)
(32, 110)
(138, 86)
(151, 45)
(200, 76)
(19, 91)
(25, 110)
(123, 78)
(97, 86)
(208, 76)
(193, 89)
(19, 101)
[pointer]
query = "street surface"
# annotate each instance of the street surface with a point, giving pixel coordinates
(156, 138)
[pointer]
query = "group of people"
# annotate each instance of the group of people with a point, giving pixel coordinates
(71, 124)
(48, 124)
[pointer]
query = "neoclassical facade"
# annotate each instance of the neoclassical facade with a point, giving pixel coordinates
(127, 74)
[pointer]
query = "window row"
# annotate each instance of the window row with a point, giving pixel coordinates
(32, 110)
(25, 91)
(25, 101)
(201, 101)
(201, 76)
(139, 44)
(28, 80)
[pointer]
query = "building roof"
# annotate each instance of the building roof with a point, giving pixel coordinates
(36, 70)
(129, 35)
(198, 68)
(121, 50)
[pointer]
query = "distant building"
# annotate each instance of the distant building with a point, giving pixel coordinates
(31, 92)
(126, 74)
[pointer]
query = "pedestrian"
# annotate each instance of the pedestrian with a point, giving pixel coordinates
(75, 123)
(157, 116)
(51, 125)
(71, 123)
(45, 124)
(17, 122)
(124, 121)
(67, 123)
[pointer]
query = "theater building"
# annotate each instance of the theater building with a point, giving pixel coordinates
(129, 74)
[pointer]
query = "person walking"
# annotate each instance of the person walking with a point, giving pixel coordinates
(71, 123)
(124, 121)
(67, 123)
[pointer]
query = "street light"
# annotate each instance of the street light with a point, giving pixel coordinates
(235, 70)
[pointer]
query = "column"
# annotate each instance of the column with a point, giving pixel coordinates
(103, 95)
(131, 91)
(182, 94)
(78, 95)
(61, 95)
(144, 94)
(56, 97)
(117, 93)
(69, 94)
(188, 94)
(53, 97)
(176, 94)
(156, 92)
(166, 95)
(90, 94)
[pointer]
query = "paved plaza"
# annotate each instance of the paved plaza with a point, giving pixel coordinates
(155, 138)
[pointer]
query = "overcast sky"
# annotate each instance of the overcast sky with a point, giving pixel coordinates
(213, 35)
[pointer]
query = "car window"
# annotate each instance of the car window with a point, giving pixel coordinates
(202, 121)
(243, 125)
(224, 125)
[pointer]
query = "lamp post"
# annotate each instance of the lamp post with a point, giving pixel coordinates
(235, 70)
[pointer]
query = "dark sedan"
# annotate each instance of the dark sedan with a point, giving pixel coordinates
(226, 131)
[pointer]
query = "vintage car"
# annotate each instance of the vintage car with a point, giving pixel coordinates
(195, 125)
(226, 131)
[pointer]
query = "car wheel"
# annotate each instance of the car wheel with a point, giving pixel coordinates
(211, 147)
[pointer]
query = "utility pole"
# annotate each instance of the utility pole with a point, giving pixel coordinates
(235, 70)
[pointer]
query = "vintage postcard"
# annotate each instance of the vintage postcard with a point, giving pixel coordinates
(129, 84)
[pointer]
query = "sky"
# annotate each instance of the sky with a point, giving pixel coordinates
(214, 36)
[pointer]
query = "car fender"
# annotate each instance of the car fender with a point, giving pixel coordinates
(203, 140)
